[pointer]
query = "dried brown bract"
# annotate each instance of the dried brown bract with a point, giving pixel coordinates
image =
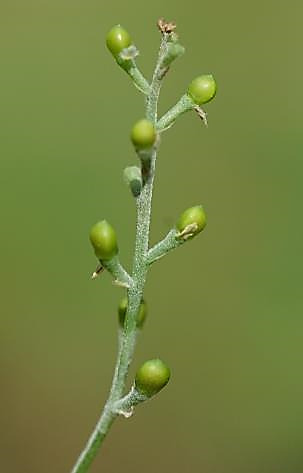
(166, 26)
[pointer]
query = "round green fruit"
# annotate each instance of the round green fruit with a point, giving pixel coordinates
(192, 216)
(143, 134)
(202, 89)
(117, 39)
(104, 240)
(152, 377)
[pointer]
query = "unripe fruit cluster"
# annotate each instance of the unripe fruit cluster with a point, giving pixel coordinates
(104, 240)
(151, 377)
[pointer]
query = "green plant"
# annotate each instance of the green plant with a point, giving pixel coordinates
(153, 374)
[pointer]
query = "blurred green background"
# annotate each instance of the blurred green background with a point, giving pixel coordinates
(225, 311)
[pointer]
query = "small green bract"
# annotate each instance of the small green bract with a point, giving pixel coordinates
(192, 216)
(104, 240)
(143, 134)
(202, 89)
(118, 39)
(152, 377)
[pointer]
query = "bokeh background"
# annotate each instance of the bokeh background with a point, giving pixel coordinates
(225, 310)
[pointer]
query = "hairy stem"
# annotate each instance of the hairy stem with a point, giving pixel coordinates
(127, 337)
(159, 73)
(138, 79)
(170, 242)
(183, 105)
(118, 272)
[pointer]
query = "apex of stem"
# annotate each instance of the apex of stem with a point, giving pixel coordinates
(166, 27)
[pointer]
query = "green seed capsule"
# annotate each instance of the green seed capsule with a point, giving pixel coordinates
(141, 316)
(143, 134)
(152, 377)
(194, 217)
(104, 240)
(202, 89)
(117, 39)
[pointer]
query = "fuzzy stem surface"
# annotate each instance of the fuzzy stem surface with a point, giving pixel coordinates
(183, 105)
(127, 339)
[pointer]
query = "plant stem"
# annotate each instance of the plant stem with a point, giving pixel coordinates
(138, 79)
(127, 338)
(118, 272)
(152, 100)
(183, 105)
(170, 242)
